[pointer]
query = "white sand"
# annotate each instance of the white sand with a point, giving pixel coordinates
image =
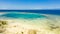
(41, 26)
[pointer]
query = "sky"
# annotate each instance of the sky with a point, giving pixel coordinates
(29, 4)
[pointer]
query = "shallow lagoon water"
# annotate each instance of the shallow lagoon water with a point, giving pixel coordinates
(25, 16)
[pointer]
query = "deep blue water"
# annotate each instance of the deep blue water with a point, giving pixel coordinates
(55, 12)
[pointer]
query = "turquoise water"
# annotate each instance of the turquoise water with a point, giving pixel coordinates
(25, 16)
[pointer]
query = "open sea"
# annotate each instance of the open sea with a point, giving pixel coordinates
(55, 12)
